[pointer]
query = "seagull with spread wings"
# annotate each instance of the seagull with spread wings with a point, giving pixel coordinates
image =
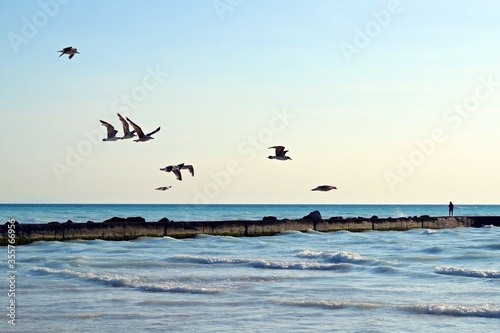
(71, 51)
(140, 133)
(163, 188)
(279, 153)
(111, 131)
(127, 134)
(324, 188)
(176, 169)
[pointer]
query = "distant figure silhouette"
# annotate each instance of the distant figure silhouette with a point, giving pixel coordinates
(450, 209)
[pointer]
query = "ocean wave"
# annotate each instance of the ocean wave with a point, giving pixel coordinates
(457, 271)
(433, 250)
(264, 263)
(493, 246)
(454, 310)
(385, 270)
(430, 309)
(137, 263)
(299, 265)
(210, 260)
(331, 304)
(337, 257)
(293, 232)
(84, 315)
(115, 280)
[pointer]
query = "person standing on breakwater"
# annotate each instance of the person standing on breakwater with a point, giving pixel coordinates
(450, 209)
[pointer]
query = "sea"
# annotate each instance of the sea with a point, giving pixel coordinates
(374, 281)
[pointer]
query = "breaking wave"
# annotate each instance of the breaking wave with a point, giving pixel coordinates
(430, 309)
(267, 264)
(337, 257)
(457, 271)
(115, 280)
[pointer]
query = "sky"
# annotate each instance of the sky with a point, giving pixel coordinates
(389, 101)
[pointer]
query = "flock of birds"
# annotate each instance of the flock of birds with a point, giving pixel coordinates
(127, 134)
(279, 154)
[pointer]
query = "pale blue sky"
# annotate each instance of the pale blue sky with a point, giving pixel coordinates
(362, 93)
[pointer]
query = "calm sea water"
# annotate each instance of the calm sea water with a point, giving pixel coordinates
(44, 213)
(413, 281)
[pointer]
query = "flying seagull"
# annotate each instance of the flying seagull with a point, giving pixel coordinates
(111, 131)
(279, 154)
(126, 130)
(163, 188)
(140, 133)
(324, 188)
(69, 50)
(176, 169)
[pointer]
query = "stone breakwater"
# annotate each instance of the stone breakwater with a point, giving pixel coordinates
(134, 227)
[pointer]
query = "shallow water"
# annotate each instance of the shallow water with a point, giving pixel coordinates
(413, 281)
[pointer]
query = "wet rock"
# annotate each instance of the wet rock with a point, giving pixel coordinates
(127, 220)
(269, 218)
(374, 217)
(164, 220)
(315, 216)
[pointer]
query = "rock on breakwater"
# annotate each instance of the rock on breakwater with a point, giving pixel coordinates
(131, 228)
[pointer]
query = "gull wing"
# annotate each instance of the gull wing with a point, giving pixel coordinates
(190, 168)
(66, 49)
(139, 131)
(126, 128)
(177, 173)
(110, 128)
(280, 150)
(156, 130)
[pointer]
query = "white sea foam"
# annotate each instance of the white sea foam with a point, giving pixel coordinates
(336, 257)
(211, 260)
(299, 265)
(447, 270)
(431, 309)
(399, 213)
(454, 310)
(263, 263)
(328, 304)
(115, 280)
